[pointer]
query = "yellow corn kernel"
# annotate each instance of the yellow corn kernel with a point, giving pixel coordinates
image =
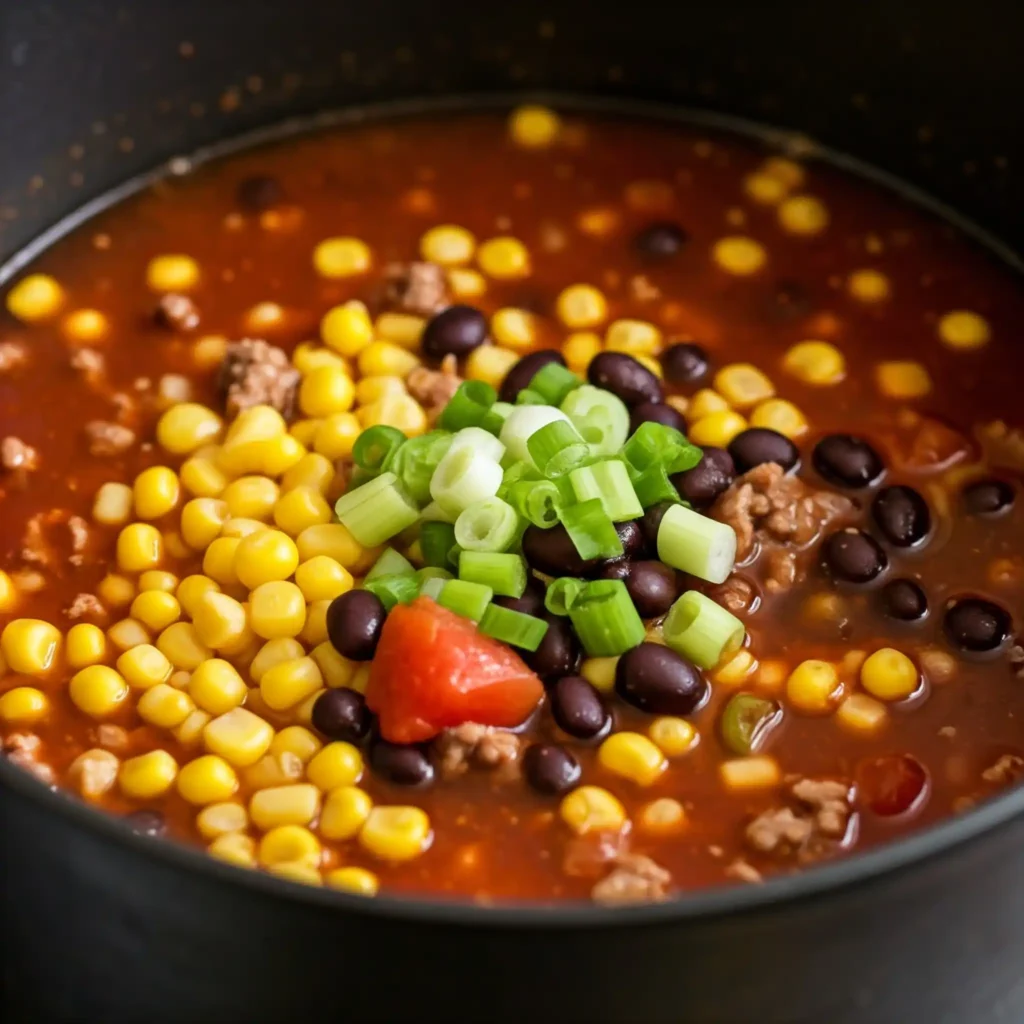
(634, 337)
(207, 779)
(803, 215)
(322, 579)
(265, 557)
(862, 714)
(164, 706)
(447, 245)
(344, 813)
(251, 497)
(221, 819)
(592, 809)
(743, 385)
(490, 363)
(182, 646)
(465, 283)
(191, 590)
(184, 428)
(273, 770)
(240, 527)
(297, 804)
(304, 431)
(155, 609)
(373, 389)
(314, 631)
(239, 737)
(337, 434)
(289, 844)
(303, 874)
(704, 403)
(332, 540)
(503, 258)
(383, 359)
(190, 732)
(327, 390)
(813, 687)
(357, 881)
(8, 592)
(97, 690)
(788, 171)
(902, 379)
(115, 591)
(889, 675)
(652, 364)
(309, 356)
(219, 560)
(297, 740)
(286, 684)
(172, 273)
(112, 505)
(86, 645)
(772, 675)
(403, 329)
(139, 547)
(202, 478)
(158, 580)
(633, 756)
(34, 298)
(396, 833)
(743, 774)
(156, 492)
(868, 285)
(739, 255)
(815, 362)
(85, 325)
(514, 328)
(336, 669)
(144, 667)
(342, 257)
(202, 519)
(24, 705)
(347, 329)
(220, 622)
(662, 817)
(781, 416)
(338, 764)
(277, 609)
(216, 687)
(127, 633)
(600, 673)
(279, 454)
(400, 411)
(234, 848)
(964, 330)
(30, 646)
(534, 127)
(148, 776)
(717, 429)
(208, 352)
(303, 711)
(674, 736)
(256, 423)
(272, 653)
(300, 508)
(579, 349)
(734, 671)
(764, 189)
(582, 305)
(93, 773)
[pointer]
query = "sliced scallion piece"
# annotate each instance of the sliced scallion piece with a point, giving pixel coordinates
(553, 382)
(488, 525)
(463, 478)
(696, 544)
(496, 416)
(524, 421)
(468, 406)
(562, 593)
(480, 441)
(653, 442)
(529, 397)
(392, 590)
(537, 501)
(436, 540)
(557, 448)
(512, 627)
(701, 630)
(390, 563)
(376, 511)
(601, 418)
(504, 573)
(415, 460)
(608, 481)
(591, 530)
(606, 620)
(432, 586)
(470, 600)
(374, 446)
(652, 486)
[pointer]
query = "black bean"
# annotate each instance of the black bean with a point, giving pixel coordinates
(853, 556)
(660, 241)
(847, 461)
(974, 624)
(578, 708)
(559, 652)
(904, 600)
(553, 553)
(454, 331)
(550, 769)
(656, 412)
(522, 373)
(259, 193)
(632, 536)
(342, 714)
(354, 622)
(988, 497)
(708, 479)
(651, 522)
(655, 679)
(758, 445)
(530, 603)
(624, 376)
(614, 569)
(147, 823)
(684, 363)
(901, 515)
(652, 586)
(401, 763)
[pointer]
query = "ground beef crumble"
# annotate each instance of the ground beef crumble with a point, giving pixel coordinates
(177, 313)
(1008, 769)
(633, 879)
(479, 746)
(813, 824)
(419, 288)
(41, 547)
(25, 750)
(16, 455)
(87, 361)
(255, 372)
(108, 439)
(433, 389)
(12, 355)
(737, 595)
(86, 606)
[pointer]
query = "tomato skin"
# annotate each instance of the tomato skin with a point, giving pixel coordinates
(893, 784)
(433, 669)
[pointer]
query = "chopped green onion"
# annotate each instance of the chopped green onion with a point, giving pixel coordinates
(376, 511)
(605, 619)
(480, 441)
(592, 532)
(562, 593)
(512, 627)
(608, 481)
(529, 397)
(557, 448)
(468, 406)
(601, 418)
(390, 563)
(516, 473)
(374, 445)
(432, 586)
(415, 460)
(746, 722)
(701, 630)
(436, 540)
(394, 590)
(488, 525)
(469, 600)
(652, 486)
(496, 416)
(654, 442)
(553, 382)
(505, 574)
(463, 478)
(537, 501)
(432, 572)
(696, 544)
(524, 421)
(433, 513)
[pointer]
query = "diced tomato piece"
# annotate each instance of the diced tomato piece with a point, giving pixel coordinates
(433, 669)
(892, 784)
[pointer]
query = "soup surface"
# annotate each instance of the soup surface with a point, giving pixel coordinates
(186, 627)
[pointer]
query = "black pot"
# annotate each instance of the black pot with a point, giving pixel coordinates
(102, 925)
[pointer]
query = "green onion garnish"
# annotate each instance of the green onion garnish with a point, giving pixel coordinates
(488, 525)
(394, 590)
(701, 630)
(606, 620)
(464, 476)
(505, 574)
(700, 546)
(480, 441)
(553, 382)
(512, 627)
(557, 448)
(468, 406)
(432, 586)
(374, 446)
(436, 540)
(376, 511)
(653, 486)
(529, 397)
(591, 530)
(654, 442)
(390, 563)
(537, 501)
(415, 460)
(470, 600)
(562, 593)
(608, 481)
(524, 421)
(601, 418)
(496, 416)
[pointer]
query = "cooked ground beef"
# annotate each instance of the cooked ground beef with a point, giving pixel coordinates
(177, 312)
(25, 750)
(480, 746)
(737, 594)
(255, 372)
(813, 824)
(634, 879)
(433, 389)
(41, 546)
(87, 361)
(12, 355)
(107, 439)
(16, 455)
(86, 606)
(743, 871)
(1008, 769)
(112, 737)
(1016, 655)
(420, 288)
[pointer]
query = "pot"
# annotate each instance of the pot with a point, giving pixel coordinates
(103, 925)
